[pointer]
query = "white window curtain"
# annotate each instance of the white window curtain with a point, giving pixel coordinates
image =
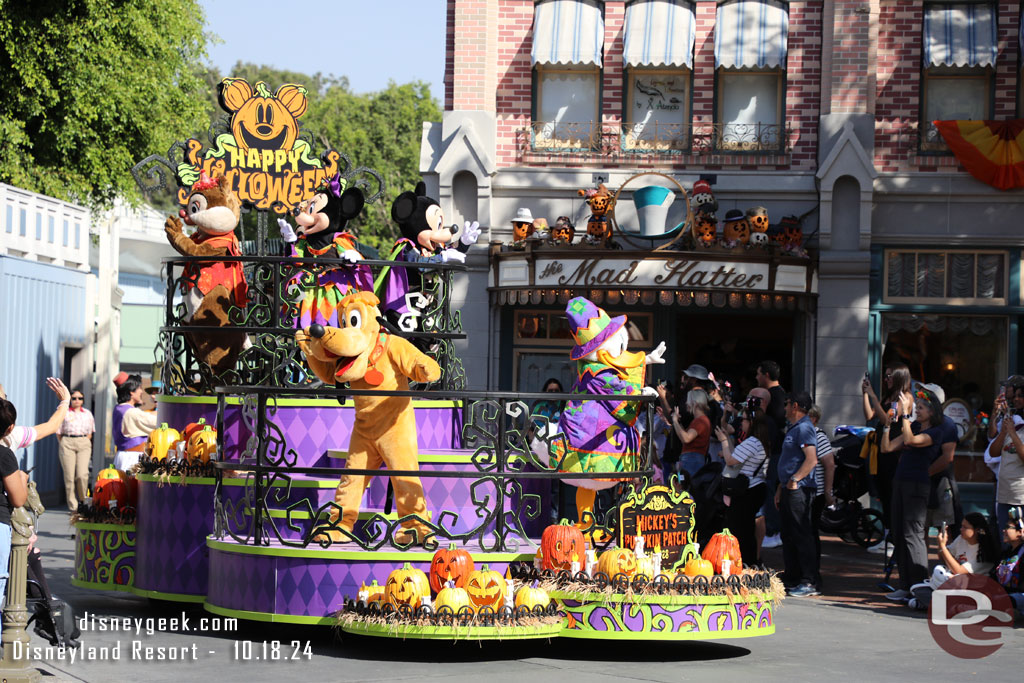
(961, 34)
(945, 276)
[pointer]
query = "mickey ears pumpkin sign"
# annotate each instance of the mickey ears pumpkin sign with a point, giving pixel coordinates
(268, 163)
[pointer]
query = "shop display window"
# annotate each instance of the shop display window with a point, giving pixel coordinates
(567, 100)
(955, 277)
(657, 109)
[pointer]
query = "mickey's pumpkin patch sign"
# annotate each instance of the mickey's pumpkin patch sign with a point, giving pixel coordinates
(268, 163)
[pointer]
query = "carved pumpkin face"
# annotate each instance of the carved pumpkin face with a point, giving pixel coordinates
(600, 202)
(406, 586)
(617, 561)
(486, 588)
(560, 543)
(757, 217)
(737, 230)
(792, 236)
(202, 445)
(599, 228)
(704, 228)
(453, 563)
(520, 231)
(259, 119)
(563, 231)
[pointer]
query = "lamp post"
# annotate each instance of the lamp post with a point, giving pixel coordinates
(15, 666)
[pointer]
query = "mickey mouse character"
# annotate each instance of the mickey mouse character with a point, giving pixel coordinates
(425, 239)
(321, 222)
(211, 288)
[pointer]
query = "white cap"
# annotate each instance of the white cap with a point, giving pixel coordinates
(523, 215)
(937, 390)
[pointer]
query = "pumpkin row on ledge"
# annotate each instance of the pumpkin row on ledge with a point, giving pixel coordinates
(197, 442)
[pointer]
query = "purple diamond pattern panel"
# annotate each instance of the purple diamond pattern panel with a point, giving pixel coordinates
(173, 524)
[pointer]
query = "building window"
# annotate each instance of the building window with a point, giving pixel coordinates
(547, 328)
(960, 48)
(567, 52)
(751, 39)
(658, 41)
(948, 277)
(567, 107)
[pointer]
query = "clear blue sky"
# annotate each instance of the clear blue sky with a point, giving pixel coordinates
(369, 42)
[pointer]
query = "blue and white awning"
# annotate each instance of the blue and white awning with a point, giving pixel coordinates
(960, 35)
(751, 34)
(568, 32)
(659, 32)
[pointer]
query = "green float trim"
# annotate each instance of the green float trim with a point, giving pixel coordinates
(454, 632)
(238, 481)
(173, 597)
(268, 617)
(95, 526)
(100, 586)
(357, 555)
(589, 634)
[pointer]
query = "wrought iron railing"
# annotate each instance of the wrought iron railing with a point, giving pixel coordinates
(276, 286)
(625, 139)
(500, 435)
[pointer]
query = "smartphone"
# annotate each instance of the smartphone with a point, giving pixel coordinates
(866, 376)
(944, 525)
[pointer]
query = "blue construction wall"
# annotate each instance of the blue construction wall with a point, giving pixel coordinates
(42, 308)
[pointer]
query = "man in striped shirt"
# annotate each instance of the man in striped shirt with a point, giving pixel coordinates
(824, 472)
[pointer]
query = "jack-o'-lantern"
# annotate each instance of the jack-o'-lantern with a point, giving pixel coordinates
(520, 231)
(375, 592)
(486, 588)
(757, 218)
(193, 427)
(161, 440)
(561, 544)
(723, 545)
(736, 228)
(454, 564)
(406, 586)
(699, 567)
(600, 201)
(202, 445)
(452, 597)
(617, 561)
(259, 119)
(532, 596)
(564, 231)
(645, 567)
(705, 227)
(109, 488)
(790, 233)
(599, 229)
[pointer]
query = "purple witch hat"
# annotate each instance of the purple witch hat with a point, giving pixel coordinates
(590, 326)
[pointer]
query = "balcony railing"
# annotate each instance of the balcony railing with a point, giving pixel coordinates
(655, 138)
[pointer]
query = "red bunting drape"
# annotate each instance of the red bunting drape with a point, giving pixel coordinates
(991, 151)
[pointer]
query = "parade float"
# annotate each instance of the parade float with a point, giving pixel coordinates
(322, 462)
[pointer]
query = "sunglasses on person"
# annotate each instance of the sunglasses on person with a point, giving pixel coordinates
(78, 398)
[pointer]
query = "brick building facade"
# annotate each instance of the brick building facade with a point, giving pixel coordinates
(912, 259)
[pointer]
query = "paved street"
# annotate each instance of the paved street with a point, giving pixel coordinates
(851, 631)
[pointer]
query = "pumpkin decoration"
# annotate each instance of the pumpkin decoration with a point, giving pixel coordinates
(705, 227)
(520, 231)
(452, 597)
(723, 545)
(202, 445)
(645, 567)
(259, 119)
(690, 551)
(601, 203)
(532, 596)
(132, 484)
(617, 561)
(736, 227)
(486, 588)
(699, 567)
(375, 592)
(564, 231)
(193, 427)
(560, 543)
(790, 234)
(453, 563)
(161, 440)
(757, 219)
(406, 586)
(110, 489)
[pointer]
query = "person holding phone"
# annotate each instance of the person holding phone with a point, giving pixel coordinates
(974, 551)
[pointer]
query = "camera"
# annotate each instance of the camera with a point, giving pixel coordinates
(753, 403)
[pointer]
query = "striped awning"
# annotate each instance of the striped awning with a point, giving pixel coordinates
(751, 34)
(960, 35)
(568, 32)
(659, 32)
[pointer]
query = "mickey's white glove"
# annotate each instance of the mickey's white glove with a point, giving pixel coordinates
(351, 256)
(650, 391)
(470, 233)
(655, 356)
(452, 255)
(287, 232)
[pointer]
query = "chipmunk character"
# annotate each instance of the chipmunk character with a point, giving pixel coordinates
(600, 436)
(211, 288)
(321, 222)
(599, 226)
(425, 239)
(384, 434)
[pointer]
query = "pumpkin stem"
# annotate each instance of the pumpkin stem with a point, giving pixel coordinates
(485, 568)
(262, 90)
(163, 425)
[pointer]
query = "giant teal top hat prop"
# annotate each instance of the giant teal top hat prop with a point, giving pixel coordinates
(652, 203)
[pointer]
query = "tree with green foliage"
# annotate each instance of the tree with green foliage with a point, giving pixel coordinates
(93, 86)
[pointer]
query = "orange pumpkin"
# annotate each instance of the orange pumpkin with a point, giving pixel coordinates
(705, 227)
(203, 445)
(454, 564)
(486, 588)
(560, 544)
(406, 586)
(723, 545)
(736, 228)
(133, 487)
(617, 561)
(564, 230)
(520, 231)
(161, 440)
(699, 567)
(375, 592)
(259, 119)
(757, 218)
(193, 427)
(109, 488)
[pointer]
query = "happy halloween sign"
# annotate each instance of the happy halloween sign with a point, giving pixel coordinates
(268, 164)
(663, 517)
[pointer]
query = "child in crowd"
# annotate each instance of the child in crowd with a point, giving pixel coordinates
(974, 551)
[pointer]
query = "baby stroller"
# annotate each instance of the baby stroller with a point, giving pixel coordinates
(847, 518)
